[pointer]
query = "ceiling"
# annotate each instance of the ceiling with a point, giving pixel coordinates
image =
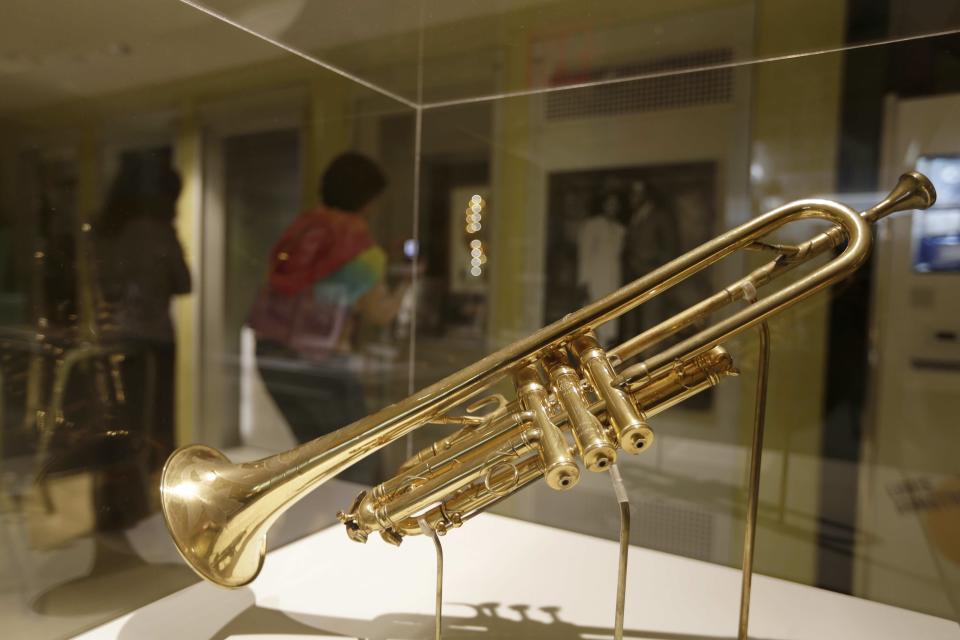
(58, 50)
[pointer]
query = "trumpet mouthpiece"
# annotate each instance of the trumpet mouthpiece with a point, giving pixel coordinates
(913, 191)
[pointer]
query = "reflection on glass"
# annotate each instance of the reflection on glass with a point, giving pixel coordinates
(125, 319)
(150, 157)
(469, 258)
(326, 276)
(89, 374)
(140, 268)
(492, 48)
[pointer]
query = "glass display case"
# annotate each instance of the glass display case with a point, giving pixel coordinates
(432, 181)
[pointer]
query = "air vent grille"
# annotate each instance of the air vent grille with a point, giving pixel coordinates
(697, 88)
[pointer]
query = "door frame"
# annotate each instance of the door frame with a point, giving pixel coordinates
(219, 121)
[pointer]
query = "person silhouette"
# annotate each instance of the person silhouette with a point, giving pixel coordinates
(599, 246)
(140, 268)
(326, 275)
(652, 239)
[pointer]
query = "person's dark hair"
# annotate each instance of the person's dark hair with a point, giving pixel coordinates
(351, 182)
(600, 202)
(141, 188)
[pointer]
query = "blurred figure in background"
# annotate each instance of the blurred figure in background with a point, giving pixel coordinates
(652, 239)
(326, 275)
(599, 246)
(141, 268)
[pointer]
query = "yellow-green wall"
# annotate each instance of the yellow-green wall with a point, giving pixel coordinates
(328, 125)
(795, 128)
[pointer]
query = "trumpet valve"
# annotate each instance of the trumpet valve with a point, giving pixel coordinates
(562, 475)
(595, 447)
(598, 456)
(559, 466)
(637, 437)
(629, 422)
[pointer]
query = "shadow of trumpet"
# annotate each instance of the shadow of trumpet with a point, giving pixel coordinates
(236, 615)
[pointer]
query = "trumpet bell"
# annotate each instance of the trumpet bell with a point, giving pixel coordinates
(204, 508)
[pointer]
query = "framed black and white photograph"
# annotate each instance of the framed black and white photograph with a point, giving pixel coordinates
(608, 227)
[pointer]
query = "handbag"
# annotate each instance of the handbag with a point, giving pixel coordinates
(308, 324)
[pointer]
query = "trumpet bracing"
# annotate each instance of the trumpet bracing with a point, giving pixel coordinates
(576, 404)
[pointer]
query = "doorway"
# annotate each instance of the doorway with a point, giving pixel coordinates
(252, 192)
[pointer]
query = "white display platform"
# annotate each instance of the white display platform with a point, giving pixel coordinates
(505, 578)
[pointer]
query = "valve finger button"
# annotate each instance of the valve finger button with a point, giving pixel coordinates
(637, 438)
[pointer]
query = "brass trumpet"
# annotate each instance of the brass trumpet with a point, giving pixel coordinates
(575, 402)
